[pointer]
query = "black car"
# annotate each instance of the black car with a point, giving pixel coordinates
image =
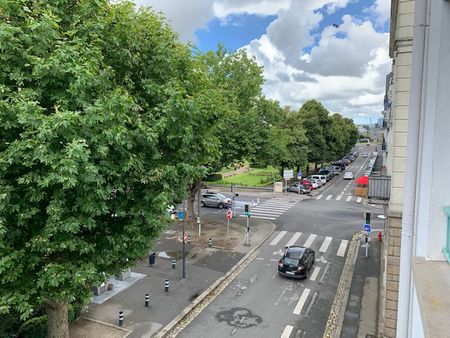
(296, 262)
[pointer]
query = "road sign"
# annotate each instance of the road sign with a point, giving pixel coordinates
(367, 228)
(180, 215)
(299, 175)
(288, 174)
(229, 214)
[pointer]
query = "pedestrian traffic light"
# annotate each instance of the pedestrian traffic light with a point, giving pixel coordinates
(246, 209)
(367, 217)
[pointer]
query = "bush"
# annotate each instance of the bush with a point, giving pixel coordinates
(34, 328)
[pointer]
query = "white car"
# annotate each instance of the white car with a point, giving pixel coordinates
(316, 183)
(348, 175)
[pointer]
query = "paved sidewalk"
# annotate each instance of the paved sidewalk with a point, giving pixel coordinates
(204, 266)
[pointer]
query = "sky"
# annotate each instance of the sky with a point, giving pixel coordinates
(332, 51)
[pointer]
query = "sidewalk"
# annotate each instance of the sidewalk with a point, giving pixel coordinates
(363, 297)
(204, 266)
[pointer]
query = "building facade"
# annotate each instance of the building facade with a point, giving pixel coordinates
(415, 295)
(400, 50)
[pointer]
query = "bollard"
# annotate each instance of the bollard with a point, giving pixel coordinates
(189, 240)
(380, 236)
(173, 263)
(147, 299)
(166, 285)
(151, 259)
(121, 318)
(210, 242)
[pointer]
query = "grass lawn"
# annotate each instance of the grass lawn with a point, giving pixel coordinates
(256, 177)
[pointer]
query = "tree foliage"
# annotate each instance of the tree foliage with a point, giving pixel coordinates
(98, 108)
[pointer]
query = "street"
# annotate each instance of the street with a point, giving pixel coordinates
(261, 303)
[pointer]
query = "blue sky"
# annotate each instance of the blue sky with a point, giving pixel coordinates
(303, 55)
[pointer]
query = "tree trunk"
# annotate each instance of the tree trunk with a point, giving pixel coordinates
(298, 168)
(190, 210)
(315, 168)
(57, 319)
(307, 170)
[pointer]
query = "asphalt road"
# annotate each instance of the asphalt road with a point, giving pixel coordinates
(259, 303)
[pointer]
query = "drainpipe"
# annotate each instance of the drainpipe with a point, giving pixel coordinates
(412, 155)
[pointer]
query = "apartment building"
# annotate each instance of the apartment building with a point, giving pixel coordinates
(414, 298)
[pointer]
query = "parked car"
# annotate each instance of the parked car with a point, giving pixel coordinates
(215, 199)
(316, 183)
(316, 180)
(327, 173)
(348, 175)
(304, 189)
(322, 178)
(296, 262)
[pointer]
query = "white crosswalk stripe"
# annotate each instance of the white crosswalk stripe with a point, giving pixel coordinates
(339, 197)
(325, 244)
(301, 301)
(287, 331)
(310, 240)
(271, 209)
(315, 273)
(342, 248)
(278, 238)
(294, 239)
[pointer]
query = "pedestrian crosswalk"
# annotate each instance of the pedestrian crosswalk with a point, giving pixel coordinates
(349, 198)
(321, 244)
(271, 209)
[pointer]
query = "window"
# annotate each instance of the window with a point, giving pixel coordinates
(446, 249)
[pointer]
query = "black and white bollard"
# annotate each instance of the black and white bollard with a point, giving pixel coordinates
(121, 318)
(174, 262)
(210, 242)
(147, 299)
(189, 240)
(166, 285)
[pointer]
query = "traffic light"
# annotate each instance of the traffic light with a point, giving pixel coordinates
(367, 217)
(246, 209)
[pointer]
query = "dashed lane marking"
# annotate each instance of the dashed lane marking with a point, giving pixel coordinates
(348, 198)
(329, 197)
(319, 197)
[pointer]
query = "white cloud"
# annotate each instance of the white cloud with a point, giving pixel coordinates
(382, 11)
(344, 68)
(184, 16)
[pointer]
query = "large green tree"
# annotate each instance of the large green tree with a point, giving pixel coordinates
(235, 81)
(97, 113)
(316, 122)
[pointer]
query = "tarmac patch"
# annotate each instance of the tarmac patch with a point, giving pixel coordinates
(239, 317)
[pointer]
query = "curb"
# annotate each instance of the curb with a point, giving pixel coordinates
(336, 318)
(171, 330)
(128, 332)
